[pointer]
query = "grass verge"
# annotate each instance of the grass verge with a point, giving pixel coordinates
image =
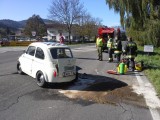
(151, 66)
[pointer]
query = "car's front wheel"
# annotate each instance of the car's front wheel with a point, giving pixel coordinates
(19, 69)
(40, 79)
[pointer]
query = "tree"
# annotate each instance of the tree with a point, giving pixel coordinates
(140, 17)
(35, 23)
(87, 26)
(66, 12)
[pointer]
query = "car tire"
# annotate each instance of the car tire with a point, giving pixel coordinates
(19, 69)
(40, 79)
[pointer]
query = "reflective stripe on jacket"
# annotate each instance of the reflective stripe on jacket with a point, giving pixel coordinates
(130, 56)
(132, 44)
(110, 43)
(130, 49)
(115, 45)
(117, 52)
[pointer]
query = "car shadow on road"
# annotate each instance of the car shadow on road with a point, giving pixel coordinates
(7, 74)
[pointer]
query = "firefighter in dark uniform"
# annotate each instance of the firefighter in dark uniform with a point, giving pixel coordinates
(130, 49)
(110, 48)
(117, 48)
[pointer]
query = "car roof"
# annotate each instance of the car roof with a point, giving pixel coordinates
(49, 45)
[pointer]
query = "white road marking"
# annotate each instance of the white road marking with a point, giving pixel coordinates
(152, 101)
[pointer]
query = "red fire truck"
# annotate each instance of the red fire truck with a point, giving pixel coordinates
(105, 31)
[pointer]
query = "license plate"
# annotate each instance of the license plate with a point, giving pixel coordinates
(68, 73)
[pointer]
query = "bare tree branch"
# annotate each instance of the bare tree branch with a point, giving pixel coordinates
(66, 12)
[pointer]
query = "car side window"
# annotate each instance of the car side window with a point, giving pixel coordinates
(39, 53)
(31, 50)
(54, 53)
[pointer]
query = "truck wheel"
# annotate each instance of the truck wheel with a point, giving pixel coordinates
(40, 79)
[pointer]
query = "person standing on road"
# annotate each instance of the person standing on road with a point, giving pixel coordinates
(99, 45)
(117, 48)
(130, 49)
(61, 40)
(110, 48)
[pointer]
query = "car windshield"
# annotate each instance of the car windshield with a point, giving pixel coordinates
(58, 53)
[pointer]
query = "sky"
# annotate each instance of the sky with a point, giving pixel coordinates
(23, 9)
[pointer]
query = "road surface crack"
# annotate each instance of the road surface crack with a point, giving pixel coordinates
(17, 101)
(125, 111)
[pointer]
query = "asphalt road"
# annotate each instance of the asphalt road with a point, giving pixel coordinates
(95, 95)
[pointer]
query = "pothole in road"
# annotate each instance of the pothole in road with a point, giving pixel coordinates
(106, 93)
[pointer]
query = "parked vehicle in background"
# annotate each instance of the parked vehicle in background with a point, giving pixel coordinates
(4, 42)
(48, 62)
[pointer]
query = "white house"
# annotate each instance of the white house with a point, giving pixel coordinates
(54, 30)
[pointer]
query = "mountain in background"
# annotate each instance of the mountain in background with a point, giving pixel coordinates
(10, 24)
(15, 25)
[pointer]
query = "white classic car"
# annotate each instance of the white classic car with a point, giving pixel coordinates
(48, 62)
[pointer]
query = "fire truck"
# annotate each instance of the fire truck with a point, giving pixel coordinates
(105, 31)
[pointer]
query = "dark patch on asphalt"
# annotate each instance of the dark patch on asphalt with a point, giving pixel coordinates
(101, 90)
(105, 86)
(125, 95)
(107, 93)
(51, 94)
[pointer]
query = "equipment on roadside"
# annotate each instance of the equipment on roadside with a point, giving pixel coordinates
(113, 71)
(122, 68)
(139, 66)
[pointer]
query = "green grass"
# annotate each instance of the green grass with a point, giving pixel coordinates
(151, 66)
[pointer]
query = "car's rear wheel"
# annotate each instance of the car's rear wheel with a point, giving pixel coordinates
(19, 69)
(40, 79)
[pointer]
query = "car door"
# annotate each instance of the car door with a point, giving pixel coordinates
(38, 63)
(28, 58)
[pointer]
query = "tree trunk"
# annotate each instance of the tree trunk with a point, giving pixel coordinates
(69, 36)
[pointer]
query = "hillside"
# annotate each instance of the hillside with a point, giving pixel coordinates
(14, 25)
